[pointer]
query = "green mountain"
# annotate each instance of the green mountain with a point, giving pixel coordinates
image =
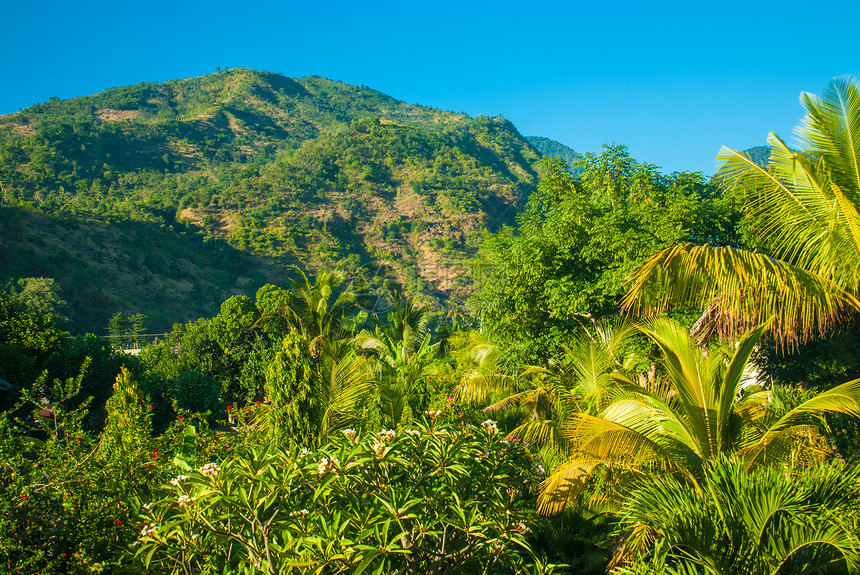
(552, 148)
(163, 198)
(759, 154)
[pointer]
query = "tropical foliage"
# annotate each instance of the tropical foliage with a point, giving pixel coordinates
(579, 237)
(742, 521)
(430, 499)
(702, 406)
(334, 423)
(803, 209)
(404, 353)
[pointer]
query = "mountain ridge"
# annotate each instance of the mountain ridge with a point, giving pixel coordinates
(307, 172)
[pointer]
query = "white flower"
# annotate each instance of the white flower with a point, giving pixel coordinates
(210, 469)
(147, 506)
(186, 501)
(378, 448)
(149, 530)
(302, 512)
(304, 452)
(433, 414)
(490, 426)
(387, 434)
(414, 433)
(327, 465)
(177, 480)
(349, 433)
(521, 527)
(540, 469)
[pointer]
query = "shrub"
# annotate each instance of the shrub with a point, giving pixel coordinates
(430, 499)
(64, 502)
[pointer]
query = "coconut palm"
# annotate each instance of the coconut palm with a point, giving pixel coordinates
(403, 355)
(699, 411)
(765, 522)
(317, 309)
(804, 210)
(579, 381)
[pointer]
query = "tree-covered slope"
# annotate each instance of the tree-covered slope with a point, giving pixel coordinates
(553, 148)
(759, 154)
(169, 272)
(295, 171)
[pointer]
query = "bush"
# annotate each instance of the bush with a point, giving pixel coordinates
(195, 391)
(431, 499)
(64, 502)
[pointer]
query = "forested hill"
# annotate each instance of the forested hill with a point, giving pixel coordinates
(253, 170)
(553, 148)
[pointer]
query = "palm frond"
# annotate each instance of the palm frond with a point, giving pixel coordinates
(792, 447)
(609, 441)
(481, 388)
(747, 288)
(731, 382)
(741, 521)
(831, 128)
(843, 399)
(806, 219)
(564, 485)
(482, 353)
(371, 343)
(349, 385)
(544, 432)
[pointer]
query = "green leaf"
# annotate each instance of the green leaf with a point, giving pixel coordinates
(185, 456)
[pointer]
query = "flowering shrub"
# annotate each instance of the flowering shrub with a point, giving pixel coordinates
(66, 497)
(431, 500)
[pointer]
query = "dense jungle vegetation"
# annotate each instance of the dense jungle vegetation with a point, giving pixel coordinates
(651, 374)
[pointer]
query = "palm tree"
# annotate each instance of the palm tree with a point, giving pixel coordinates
(310, 398)
(805, 209)
(317, 310)
(579, 381)
(403, 354)
(764, 522)
(699, 411)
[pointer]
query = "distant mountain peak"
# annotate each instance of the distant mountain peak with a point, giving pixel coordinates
(553, 148)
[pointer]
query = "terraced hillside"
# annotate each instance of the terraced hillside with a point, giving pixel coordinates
(260, 171)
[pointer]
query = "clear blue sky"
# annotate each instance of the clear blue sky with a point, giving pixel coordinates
(671, 80)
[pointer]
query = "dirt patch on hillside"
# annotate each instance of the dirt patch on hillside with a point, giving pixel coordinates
(23, 129)
(188, 214)
(228, 225)
(226, 222)
(111, 115)
(410, 204)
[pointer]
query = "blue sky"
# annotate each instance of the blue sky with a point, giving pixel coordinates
(672, 80)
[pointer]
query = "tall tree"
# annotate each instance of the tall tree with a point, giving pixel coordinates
(41, 296)
(577, 240)
(317, 309)
(403, 352)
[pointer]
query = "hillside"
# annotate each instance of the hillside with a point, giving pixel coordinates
(553, 148)
(273, 170)
(759, 154)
